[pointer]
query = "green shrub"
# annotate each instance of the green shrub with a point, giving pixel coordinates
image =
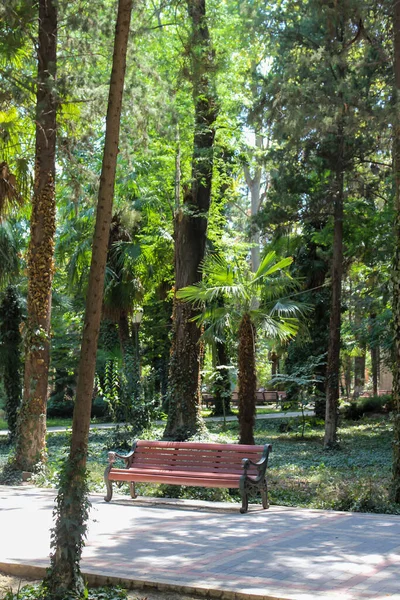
(367, 405)
(60, 405)
(99, 407)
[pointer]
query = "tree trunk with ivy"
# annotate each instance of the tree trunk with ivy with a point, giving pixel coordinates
(31, 437)
(184, 417)
(396, 266)
(247, 380)
(72, 504)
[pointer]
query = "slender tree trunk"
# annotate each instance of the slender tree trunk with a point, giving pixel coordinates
(247, 380)
(333, 362)
(31, 436)
(396, 266)
(72, 506)
(190, 236)
(359, 373)
(131, 391)
(375, 369)
(347, 375)
(254, 185)
(222, 385)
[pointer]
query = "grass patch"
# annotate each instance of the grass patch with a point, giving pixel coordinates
(355, 477)
(56, 422)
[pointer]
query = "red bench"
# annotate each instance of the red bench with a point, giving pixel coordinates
(193, 463)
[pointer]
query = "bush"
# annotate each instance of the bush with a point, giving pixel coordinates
(367, 405)
(99, 407)
(60, 405)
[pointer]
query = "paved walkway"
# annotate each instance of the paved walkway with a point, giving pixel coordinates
(278, 415)
(282, 553)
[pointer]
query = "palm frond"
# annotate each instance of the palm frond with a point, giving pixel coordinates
(9, 195)
(269, 266)
(218, 270)
(281, 329)
(289, 308)
(9, 262)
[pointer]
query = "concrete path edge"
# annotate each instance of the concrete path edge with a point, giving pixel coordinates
(95, 580)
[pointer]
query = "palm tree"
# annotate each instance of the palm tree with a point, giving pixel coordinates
(252, 301)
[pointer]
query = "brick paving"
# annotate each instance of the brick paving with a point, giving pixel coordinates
(282, 553)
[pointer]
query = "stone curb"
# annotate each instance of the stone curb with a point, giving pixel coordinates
(95, 580)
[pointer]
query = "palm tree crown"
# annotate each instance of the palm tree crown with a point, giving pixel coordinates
(250, 301)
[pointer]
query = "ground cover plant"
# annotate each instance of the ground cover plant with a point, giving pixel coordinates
(302, 473)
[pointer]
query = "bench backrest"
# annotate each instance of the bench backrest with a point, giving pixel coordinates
(195, 456)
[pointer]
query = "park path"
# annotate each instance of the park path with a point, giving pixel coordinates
(210, 549)
(278, 415)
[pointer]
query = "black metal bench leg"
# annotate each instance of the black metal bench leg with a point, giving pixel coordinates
(243, 494)
(132, 489)
(108, 483)
(264, 496)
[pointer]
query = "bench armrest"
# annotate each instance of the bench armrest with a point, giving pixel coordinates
(261, 465)
(112, 456)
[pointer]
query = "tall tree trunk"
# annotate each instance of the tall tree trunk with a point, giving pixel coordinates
(333, 361)
(254, 185)
(72, 504)
(184, 417)
(396, 266)
(31, 436)
(247, 380)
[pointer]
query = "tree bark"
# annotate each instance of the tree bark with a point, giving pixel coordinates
(247, 380)
(31, 436)
(184, 401)
(396, 267)
(333, 361)
(71, 516)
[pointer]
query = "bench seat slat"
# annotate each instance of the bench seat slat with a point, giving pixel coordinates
(176, 479)
(195, 459)
(187, 467)
(198, 446)
(187, 452)
(237, 472)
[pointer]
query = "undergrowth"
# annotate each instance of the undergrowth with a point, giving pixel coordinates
(39, 592)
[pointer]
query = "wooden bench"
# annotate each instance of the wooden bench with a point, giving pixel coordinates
(193, 463)
(262, 397)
